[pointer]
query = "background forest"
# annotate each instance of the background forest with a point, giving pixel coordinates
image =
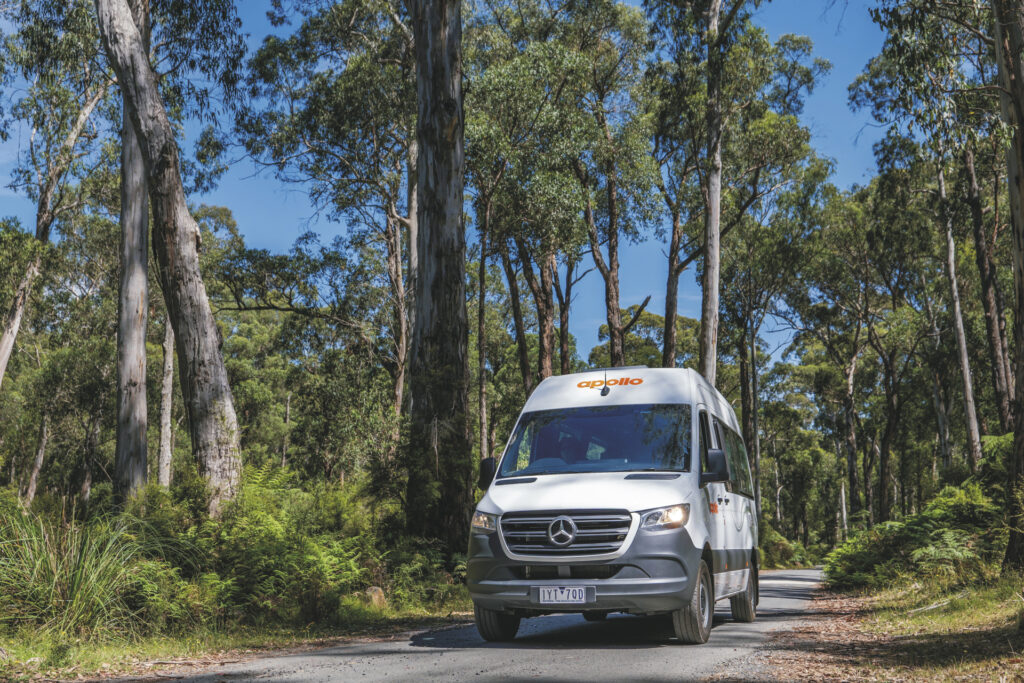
(148, 487)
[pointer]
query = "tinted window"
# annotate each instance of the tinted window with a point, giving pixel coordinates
(604, 439)
(738, 464)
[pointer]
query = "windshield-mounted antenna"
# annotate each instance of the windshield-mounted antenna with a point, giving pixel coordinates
(605, 390)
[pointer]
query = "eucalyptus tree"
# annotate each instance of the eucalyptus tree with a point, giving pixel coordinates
(130, 460)
(212, 421)
(332, 107)
(440, 487)
(708, 30)
(55, 84)
(919, 83)
(760, 264)
(614, 168)
(762, 139)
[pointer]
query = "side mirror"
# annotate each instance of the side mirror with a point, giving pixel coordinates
(718, 467)
(487, 469)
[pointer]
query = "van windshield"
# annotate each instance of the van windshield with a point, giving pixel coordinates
(600, 439)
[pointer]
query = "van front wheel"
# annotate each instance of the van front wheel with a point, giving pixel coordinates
(495, 626)
(692, 623)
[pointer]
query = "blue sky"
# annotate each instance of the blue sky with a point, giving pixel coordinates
(272, 216)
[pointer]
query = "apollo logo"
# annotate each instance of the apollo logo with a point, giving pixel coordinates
(617, 382)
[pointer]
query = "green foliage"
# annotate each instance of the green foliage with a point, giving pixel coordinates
(958, 534)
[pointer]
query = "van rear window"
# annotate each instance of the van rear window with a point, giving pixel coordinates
(600, 439)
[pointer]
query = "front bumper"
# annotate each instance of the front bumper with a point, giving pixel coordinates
(655, 574)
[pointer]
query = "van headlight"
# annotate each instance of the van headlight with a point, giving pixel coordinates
(665, 518)
(484, 523)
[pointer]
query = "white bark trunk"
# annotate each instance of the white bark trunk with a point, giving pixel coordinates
(207, 396)
(973, 433)
(130, 453)
(37, 464)
(713, 211)
(163, 460)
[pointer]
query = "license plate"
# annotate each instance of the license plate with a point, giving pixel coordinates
(560, 595)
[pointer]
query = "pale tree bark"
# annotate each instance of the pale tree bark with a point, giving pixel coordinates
(130, 459)
(991, 300)
(212, 423)
(938, 397)
(396, 280)
(37, 463)
(439, 495)
(1009, 34)
(412, 237)
(713, 207)
(46, 213)
(564, 296)
(163, 459)
(970, 412)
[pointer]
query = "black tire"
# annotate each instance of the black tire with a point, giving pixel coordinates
(744, 605)
(692, 623)
(595, 616)
(495, 626)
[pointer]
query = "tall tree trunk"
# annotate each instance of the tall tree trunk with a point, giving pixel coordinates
(668, 350)
(991, 301)
(1009, 24)
(869, 463)
(523, 349)
(713, 208)
(209, 405)
(850, 430)
(938, 398)
(609, 268)
(46, 213)
(92, 441)
(396, 282)
(970, 413)
(544, 302)
(163, 458)
(842, 508)
(37, 464)
(130, 458)
(439, 495)
(481, 335)
(412, 237)
(564, 295)
(755, 409)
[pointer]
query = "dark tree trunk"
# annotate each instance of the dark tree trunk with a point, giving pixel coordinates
(991, 301)
(481, 336)
(668, 350)
(176, 239)
(439, 495)
(564, 295)
(1009, 23)
(130, 458)
(541, 288)
(522, 347)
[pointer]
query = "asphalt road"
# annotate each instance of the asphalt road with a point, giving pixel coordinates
(553, 648)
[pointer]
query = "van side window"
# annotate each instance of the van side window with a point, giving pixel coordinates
(736, 454)
(705, 441)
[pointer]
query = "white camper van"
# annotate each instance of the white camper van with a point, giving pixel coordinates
(620, 490)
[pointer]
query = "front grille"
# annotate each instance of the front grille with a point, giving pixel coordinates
(598, 532)
(579, 571)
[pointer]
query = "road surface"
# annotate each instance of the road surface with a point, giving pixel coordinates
(552, 648)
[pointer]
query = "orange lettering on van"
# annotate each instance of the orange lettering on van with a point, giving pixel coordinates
(616, 382)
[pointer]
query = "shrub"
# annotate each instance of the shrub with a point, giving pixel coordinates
(65, 577)
(957, 535)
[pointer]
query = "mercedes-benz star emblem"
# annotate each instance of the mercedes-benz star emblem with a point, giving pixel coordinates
(562, 531)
